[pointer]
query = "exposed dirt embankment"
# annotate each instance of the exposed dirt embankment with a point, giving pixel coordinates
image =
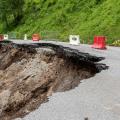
(31, 73)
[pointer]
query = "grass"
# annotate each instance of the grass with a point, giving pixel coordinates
(57, 19)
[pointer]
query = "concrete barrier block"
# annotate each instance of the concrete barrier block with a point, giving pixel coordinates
(5, 37)
(74, 39)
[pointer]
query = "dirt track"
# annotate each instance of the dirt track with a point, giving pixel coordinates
(30, 74)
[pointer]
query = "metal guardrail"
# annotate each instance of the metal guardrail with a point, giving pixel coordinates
(55, 36)
(46, 35)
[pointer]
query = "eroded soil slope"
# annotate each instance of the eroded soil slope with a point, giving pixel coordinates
(29, 74)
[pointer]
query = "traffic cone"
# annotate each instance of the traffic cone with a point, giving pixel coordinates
(25, 37)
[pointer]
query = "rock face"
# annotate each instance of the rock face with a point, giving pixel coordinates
(31, 73)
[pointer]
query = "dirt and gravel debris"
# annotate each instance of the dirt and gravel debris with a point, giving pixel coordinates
(28, 75)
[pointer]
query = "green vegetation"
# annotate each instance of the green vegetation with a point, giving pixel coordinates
(11, 12)
(116, 43)
(59, 18)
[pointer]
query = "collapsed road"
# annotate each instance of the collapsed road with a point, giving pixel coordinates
(30, 73)
(96, 98)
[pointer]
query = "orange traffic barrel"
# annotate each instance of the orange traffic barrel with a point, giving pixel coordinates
(1, 37)
(99, 42)
(36, 37)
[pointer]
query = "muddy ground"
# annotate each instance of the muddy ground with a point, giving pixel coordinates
(31, 73)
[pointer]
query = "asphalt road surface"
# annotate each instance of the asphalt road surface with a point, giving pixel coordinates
(97, 98)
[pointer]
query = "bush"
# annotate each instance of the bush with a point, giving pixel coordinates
(116, 43)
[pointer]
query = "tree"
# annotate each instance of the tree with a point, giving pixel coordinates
(10, 8)
(16, 7)
(4, 10)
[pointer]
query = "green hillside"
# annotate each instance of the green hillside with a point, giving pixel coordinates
(59, 18)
